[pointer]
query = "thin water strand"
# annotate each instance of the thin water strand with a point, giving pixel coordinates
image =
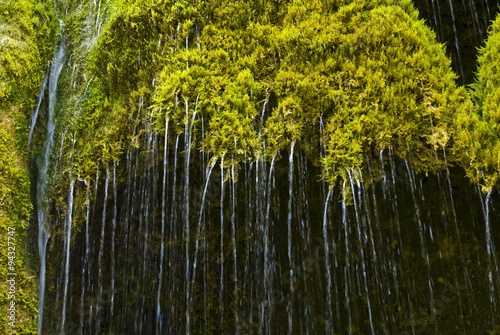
(329, 321)
(289, 238)
(163, 225)
(101, 254)
(69, 222)
(36, 110)
(43, 162)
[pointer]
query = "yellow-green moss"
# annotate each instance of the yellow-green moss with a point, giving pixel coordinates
(262, 76)
(483, 131)
(26, 43)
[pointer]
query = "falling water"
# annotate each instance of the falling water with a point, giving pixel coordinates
(347, 266)
(101, 254)
(234, 252)
(36, 110)
(200, 228)
(350, 270)
(68, 226)
(329, 323)
(163, 226)
(462, 27)
(221, 237)
(173, 240)
(289, 236)
(362, 236)
(455, 35)
(493, 273)
(188, 131)
(113, 235)
(85, 267)
(43, 162)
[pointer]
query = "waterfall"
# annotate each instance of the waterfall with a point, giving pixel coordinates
(168, 235)
(221, 239)
(457, 47)
(261, 254)
(234, 251)
(113, 235)
(462, 26)
(43, 161)
(188, 131)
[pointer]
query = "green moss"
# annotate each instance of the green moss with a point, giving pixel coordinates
(26, 38)
(392, 88)
(370, 70)
(248, 80)
(481, 130)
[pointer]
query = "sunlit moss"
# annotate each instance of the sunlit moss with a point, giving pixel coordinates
(371, 71)
(484, 136)
(394, 88)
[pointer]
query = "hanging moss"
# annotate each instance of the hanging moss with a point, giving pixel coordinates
(393, 88)
(370, 70)
(243, 80)
(483, 133)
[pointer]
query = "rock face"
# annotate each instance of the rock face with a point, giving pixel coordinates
(266, 167)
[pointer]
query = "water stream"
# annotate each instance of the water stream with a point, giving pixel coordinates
(43, 162)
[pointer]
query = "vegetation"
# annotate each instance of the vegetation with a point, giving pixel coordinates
(26, 43)
(238, 80)
(483, 130)
(245, 80)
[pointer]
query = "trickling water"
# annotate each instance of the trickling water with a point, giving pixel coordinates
(422, 233)
(234, 252)
(348, 284)
(492, 259)
(289, 236)
(462, 27)
(329, 323)
(113, 235)
(455, 34)
(350, 271)
(36, 110)
(101, 255)
(68, 226)
(174, 241)
(43, 162)
(362, 238)
(188, 131)
(163, 226)
(221, 237)
(85, 267)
